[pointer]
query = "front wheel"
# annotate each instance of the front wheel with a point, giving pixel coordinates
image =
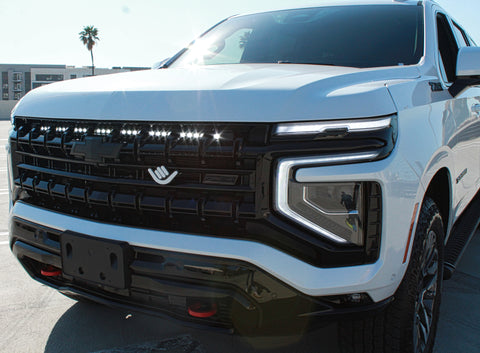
(409, 323)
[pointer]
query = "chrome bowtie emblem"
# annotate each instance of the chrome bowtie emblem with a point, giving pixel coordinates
(162, 176)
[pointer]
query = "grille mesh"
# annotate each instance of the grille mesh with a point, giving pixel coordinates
(69, 167)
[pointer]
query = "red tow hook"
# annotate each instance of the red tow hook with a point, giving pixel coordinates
(50, 271)
(202, 310)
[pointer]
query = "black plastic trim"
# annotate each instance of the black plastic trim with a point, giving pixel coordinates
(460, 236)
(163, 283)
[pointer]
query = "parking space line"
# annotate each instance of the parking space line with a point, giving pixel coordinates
(3, 243)
(3, 234)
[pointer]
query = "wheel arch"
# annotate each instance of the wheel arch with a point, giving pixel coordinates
(440, 191)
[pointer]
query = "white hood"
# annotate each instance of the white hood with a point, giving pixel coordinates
(243, 93)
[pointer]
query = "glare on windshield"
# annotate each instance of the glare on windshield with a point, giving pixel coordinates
(356, 36)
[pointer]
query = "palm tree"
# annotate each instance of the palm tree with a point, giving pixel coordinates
(89, 37)
(244, 39)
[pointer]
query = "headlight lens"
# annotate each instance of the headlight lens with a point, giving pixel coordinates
(344, 212)
(334, 210)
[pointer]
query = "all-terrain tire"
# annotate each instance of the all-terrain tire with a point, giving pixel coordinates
(409, 323)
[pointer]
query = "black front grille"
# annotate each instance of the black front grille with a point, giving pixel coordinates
(216, 176)
(100, 171)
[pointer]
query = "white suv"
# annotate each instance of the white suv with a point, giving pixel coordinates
(286, 167)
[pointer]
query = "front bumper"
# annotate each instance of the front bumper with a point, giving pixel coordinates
(303, 277)
(165, 281)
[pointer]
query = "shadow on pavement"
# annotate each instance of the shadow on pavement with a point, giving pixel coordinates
(87, 327)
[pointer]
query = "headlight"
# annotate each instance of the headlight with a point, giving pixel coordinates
(334, 210)
(344, 212)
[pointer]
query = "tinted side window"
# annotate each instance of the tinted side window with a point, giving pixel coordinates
(461, 35)
(447, 46)
(472, 42)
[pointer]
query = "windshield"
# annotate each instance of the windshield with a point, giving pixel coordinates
(356, 36)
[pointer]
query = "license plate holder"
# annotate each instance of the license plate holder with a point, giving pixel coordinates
(94, 260)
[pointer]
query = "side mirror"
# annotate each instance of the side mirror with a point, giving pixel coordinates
(468, 70)
(468, 62)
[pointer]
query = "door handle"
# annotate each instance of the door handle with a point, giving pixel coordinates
(476, 108)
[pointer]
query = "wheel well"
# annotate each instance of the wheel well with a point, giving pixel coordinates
(439, 191)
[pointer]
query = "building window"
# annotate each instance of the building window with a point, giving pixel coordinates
(37, 84)
(5, 96)
(5, 86)
(17, 87)
(17, 76)
(17, 96)
(73, 76)
(28, 82)
(46, 77)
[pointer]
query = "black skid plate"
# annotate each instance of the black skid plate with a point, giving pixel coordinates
(95, 260)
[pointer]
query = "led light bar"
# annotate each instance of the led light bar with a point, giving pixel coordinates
(157, 133)
(191, 135)
(103, 131)
(313, 128)
(130, 132)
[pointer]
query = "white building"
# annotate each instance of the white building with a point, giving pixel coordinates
(19, 79)
(43, 76)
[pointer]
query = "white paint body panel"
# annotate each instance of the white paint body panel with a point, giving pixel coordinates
(300, 275)
(433, 133)
(246, 93)
(468, 59)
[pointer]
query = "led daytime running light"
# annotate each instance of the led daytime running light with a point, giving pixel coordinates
(322, 127)
(281, 187)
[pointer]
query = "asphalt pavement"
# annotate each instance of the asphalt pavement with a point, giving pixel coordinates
(35, 318)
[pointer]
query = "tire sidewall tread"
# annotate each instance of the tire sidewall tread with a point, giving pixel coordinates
(391, 330)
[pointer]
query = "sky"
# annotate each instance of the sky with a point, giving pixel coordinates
(136, 32)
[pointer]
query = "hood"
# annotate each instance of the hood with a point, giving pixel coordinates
(243, 93)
